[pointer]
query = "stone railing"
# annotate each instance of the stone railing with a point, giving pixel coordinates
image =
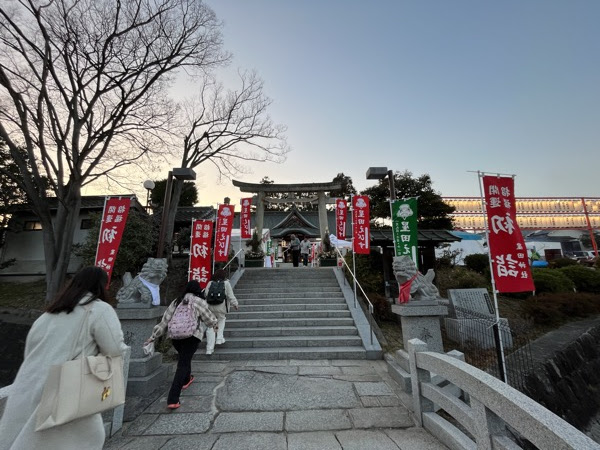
(488, 410)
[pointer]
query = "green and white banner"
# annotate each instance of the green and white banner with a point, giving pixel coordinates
(404, 227)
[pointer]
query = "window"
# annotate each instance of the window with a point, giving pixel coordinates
(31, 225)
(86, 224)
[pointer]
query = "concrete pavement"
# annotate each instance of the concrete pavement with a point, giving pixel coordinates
(279, 405)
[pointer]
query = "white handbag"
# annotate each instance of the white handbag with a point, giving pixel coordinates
(81, 387)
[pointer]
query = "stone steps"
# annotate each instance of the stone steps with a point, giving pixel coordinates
(298, 294)
(284, 290)
(289, 314)
(293, 307)
(293, 301)
(283, 353)
(290, 341)
(291, 331)
(288, 322)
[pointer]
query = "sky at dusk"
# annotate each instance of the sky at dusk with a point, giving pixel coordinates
(429, 86)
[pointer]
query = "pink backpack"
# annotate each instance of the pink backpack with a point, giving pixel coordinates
(184, 322)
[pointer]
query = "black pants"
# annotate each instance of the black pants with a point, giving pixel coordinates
(305, 259)
(186, 349)
(295, 257)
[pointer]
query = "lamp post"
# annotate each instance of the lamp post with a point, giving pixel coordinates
(181, 174)
(379, 173)
(148, 185)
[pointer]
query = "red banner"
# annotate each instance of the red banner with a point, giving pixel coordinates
(114, 218)
(361, 236)
(245, 230)
(200, 251)
(223, 232)
(507, 248)
(341, 206)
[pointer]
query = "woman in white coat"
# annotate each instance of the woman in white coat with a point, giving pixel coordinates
(50, 342)
(220, 310)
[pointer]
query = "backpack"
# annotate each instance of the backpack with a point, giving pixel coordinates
(183, 323)
(216, 293)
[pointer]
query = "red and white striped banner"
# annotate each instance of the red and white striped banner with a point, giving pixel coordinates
(361, 236)
(223, 232)
(341, 207)
(114, 219)
(200, 251)
(508, 253)
(245, 226)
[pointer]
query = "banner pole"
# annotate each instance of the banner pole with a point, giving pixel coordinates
(100, 229)
(392, 219)
(353, 251)
(190, 255)
(497, 333)
(215, 240)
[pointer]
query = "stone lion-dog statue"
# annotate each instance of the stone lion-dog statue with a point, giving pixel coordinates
(145, 286)
(412, 283)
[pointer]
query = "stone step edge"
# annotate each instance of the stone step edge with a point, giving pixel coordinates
(251, 350)
(317, 328)
(303, 337)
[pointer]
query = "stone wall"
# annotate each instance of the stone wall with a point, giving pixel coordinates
(14, 326)
(568, 384)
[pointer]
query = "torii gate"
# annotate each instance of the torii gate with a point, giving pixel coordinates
(262, 190)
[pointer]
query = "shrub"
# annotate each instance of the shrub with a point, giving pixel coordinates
(549, 280)
(382, 309)
(369, 272)
(459, 278)
(255, 244)
(552, 309)
(478, 262)
(561, 262)
(447, 259)
(584, 278)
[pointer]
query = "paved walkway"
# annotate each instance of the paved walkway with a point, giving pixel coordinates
(543, 348)
(280, 405)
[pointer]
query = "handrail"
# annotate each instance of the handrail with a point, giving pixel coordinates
(492, 405)
(370, 305)
(231, 260)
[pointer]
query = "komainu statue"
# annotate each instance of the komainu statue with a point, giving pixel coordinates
(412, 283)
(143, 290)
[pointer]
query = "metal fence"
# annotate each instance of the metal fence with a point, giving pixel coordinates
(478, 336)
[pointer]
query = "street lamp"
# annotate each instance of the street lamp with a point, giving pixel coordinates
(181, 173)
(149, 185)
(379, 173)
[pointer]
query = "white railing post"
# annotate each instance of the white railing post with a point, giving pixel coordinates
(486, 424)
(418, 376)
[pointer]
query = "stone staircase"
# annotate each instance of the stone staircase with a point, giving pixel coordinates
(296, 313)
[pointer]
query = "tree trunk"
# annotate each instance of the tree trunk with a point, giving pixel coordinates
(58, 240)
(170, 226)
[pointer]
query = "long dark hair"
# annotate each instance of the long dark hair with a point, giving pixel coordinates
(219, 275)
(90, 279)
(193, 287)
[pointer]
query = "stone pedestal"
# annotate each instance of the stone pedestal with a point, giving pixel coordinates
(146, 373)
(421, 319)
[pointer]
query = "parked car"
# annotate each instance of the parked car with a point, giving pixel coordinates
(584, 257)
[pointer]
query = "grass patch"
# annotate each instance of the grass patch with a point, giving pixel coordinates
(29, 295)
(393, 334)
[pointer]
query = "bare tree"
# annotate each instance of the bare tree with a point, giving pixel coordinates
(83, 90)
(227, 128)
